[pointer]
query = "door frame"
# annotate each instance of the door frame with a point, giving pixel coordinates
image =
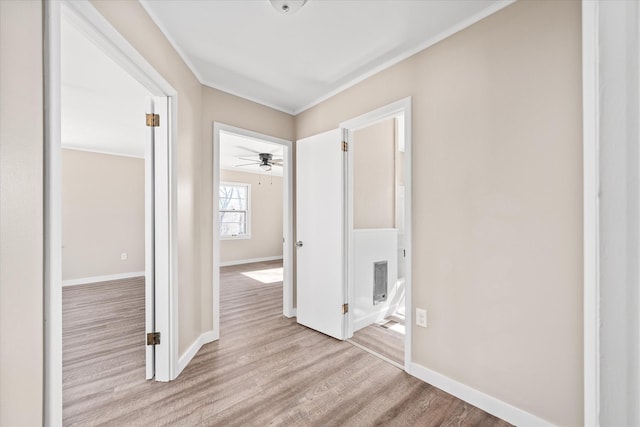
(386, 112)
(288, 304)
(100, 31)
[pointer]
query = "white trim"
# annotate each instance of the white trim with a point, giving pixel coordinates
(487, 403)
(52, 218)
(288, 309)
(95, 26)
(493, 8)
(422, 46)
(591, 212)
(97, 279)
(204, 338)
(394, 109)
(250, 261)
(374, 317)
(89, 150)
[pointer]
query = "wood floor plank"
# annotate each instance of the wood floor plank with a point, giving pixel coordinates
(264, 370)
(384, 341)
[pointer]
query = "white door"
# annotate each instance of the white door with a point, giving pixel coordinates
(149, 242)
(320, 230)
(157, 240)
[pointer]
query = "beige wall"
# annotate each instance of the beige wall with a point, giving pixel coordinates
(21, 214)
(266, 219)
(374, 176)
(497, 202)
(102, 214)
(224, 108)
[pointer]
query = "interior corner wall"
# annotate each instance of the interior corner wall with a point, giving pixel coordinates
(103, 214)
(497, 202)
(266, 219)
(131, 20)
(21, 214)
(374, 176)
(221, 107)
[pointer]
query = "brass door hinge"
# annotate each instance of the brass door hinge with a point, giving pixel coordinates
(345, 146)
(345, 308)
(153, 120)
(153, 338)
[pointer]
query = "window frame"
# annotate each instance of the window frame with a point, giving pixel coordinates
(247, 235)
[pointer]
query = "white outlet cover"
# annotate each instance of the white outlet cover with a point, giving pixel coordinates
(421, 317)
(124, 256)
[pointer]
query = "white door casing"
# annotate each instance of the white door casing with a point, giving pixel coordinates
(399, 108)
(320, 180)
(93, 24)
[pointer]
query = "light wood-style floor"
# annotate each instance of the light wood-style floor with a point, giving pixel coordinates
(264, 370)
(382, 339)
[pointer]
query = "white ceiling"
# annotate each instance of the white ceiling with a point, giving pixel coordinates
(103, 107)
(292, 62)
(233, 147)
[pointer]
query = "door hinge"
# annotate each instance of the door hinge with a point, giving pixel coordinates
(345, 308)
(153, 338)
(345, 146)
(153, 120)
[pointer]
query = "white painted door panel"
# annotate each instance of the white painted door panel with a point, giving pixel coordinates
(149, 252)
(320, 230)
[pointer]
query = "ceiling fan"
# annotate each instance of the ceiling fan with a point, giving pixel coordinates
(266, 161)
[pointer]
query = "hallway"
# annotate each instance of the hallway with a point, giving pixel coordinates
(265, 370)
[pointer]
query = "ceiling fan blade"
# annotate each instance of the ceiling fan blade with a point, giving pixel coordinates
(280, 161)
(248, 164)
(248, 159)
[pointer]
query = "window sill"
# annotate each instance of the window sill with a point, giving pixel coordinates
(242, 237)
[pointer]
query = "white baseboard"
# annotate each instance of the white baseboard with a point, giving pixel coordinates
(96, 279)
(290, 313)
(203, 339)
(249, 261)
(374, 317)
(487, 403)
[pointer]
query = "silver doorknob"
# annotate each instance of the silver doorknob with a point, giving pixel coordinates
(299, 244)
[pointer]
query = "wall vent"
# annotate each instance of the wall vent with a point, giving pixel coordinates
(380, 282)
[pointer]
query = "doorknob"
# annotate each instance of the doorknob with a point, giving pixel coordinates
(299, 244)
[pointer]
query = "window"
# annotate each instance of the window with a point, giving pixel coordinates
(235, 216)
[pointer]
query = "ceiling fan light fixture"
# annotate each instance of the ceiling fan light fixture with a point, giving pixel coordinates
(287, 7)
(265, 167)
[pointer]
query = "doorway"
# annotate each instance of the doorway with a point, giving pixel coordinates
(252, 211)
(379, 232)
(328, 266)
(158, 203)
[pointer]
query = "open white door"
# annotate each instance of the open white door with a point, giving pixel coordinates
(321, 233)
(157, 239)
(149, 242)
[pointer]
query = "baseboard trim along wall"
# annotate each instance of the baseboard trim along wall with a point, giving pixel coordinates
(249, 261)
(96, 279)
(203, 339)
(489, 404)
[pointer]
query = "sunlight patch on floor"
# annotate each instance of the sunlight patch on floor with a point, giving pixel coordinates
(398, 327)
(271, 275)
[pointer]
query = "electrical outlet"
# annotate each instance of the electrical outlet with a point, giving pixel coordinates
(124, 256)
(421, 317)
